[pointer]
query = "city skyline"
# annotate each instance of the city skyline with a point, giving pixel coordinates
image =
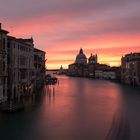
(107, 28)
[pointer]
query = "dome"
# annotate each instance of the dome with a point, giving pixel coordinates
(92, 59)
(81, 57)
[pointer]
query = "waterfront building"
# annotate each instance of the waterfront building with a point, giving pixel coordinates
(104, 71)
(3, 65)
(98, 74)
(117, 71)
(105, 74)
(72, 69)
(92, 61)
(39, 65)
(20, 67)
(109, 75)
(92, 69)
(130, 69)
(81, 67)
(62, 70)
(100, 69)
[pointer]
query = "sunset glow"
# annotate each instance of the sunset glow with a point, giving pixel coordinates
(107, 28)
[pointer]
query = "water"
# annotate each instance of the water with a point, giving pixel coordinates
(77, 109)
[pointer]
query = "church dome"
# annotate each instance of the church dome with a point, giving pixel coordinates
(81, 58)
(92, 59)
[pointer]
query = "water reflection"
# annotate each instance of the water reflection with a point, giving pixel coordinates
(50, 90)
(77, 109)
(120, 128)
(47, 92)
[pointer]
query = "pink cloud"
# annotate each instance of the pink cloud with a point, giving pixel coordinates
(108, 28)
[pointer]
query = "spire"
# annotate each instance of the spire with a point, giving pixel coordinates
(61, 68)
(81, 51)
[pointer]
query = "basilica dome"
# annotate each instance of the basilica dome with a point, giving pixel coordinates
(81, 58)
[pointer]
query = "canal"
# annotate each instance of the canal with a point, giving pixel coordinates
(77, 109)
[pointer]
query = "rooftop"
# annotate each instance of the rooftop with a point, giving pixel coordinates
(37, 50)
(3, 31)
(21, 40)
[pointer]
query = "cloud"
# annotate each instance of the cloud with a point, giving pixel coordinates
(103, 51)
(20, 10)
(105, 26)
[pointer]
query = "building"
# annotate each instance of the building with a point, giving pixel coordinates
(61, 71)
(92, 61)
(109, 75)
(104, 71)
(99, 70)
(20, 67)
(72, 69)
(81, 67)
(99, 74)
(77, 68)
(92, 69)
(39, 65)
(117, 71)
(130, 69)
(3, 65)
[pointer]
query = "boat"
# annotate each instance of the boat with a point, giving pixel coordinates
(50, 80)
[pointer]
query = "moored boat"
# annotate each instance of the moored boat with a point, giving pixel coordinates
(50, 80)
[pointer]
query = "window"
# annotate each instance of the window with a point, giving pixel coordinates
(22, 61)
(14, 76)
(4, 43)
(23, 74)
(18, 75)
(8, 45)
(134, 73)
(3, 66)
(4, 82)
(3, 92)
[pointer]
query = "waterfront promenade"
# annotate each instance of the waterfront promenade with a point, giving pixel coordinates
(77, 109)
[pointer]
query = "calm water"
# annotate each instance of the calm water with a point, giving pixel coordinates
(77, 109)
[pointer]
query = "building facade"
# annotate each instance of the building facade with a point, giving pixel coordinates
(20, 67)
(98, 74)
(92, 62)
(130, 69)
(39, 65)
(100, 69)
(109, 75)
(3, 65)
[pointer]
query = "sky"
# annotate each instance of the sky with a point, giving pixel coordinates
(109, 28)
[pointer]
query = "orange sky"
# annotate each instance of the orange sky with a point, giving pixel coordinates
(61, 28)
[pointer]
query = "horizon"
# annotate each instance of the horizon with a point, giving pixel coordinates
(60, 28)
